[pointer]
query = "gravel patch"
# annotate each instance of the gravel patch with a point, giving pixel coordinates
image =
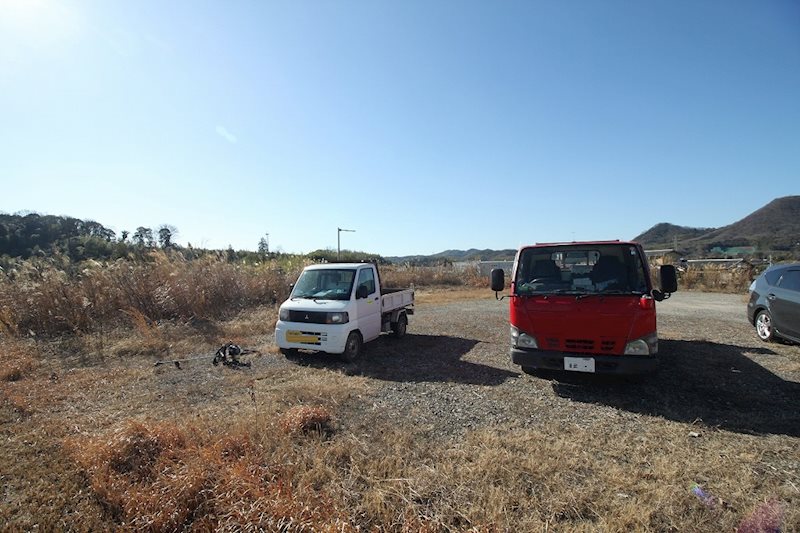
(452, 374)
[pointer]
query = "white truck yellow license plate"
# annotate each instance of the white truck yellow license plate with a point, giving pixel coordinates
(579, 364)
(299, 336)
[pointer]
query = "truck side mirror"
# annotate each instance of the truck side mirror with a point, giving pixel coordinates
(498, 279)
(669, 279)
(362, 292)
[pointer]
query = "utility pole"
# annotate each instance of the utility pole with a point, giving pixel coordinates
(267, 234)
(339, 241)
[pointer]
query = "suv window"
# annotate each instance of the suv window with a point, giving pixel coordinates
(773, 276)
(790, 280)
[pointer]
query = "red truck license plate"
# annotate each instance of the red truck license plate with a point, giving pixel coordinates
(579, 364)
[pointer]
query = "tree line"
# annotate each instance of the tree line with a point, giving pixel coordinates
(32, 235)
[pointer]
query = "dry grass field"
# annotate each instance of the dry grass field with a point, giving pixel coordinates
(433, 432)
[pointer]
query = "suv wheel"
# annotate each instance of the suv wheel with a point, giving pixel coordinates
(763, 324)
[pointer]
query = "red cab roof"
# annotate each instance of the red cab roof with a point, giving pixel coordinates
(580, 243)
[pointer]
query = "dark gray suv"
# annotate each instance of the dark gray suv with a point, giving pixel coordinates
(774, 306)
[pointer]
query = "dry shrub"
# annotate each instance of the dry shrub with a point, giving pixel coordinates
(711, 278)
(16, 361)
(135, 449)
(716, 279)
(248, 325)
(8, 324)
(43, 298)
(766, 518)
(149, 337)
(162, 478)
(303, 419)
(424, 276)
(48, 298)
(139, 477)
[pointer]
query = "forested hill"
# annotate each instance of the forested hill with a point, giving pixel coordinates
(32, 234)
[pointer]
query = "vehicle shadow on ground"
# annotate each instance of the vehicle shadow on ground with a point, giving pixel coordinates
(716, 384)
(416, 358)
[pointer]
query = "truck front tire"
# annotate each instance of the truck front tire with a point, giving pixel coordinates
(290, 352)
(353, 347)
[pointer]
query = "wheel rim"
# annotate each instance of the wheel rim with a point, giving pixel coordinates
(763, 326)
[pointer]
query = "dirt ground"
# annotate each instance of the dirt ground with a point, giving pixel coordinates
(468, 433)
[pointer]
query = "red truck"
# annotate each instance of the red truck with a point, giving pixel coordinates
(584, 307)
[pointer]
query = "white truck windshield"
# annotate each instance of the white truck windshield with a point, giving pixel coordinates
(325, 284)
(584, 269)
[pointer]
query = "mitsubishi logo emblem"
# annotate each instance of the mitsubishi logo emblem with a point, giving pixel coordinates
(306, 317)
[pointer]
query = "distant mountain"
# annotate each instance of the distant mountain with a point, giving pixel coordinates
(666, 234)
(774, 227)
(454, 256)
(476, 255)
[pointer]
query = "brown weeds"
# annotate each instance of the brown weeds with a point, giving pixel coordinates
(161, 477)
(303, 419)
(44, 299)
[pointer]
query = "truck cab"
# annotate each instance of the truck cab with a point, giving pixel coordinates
(337, 307)
(584, 307)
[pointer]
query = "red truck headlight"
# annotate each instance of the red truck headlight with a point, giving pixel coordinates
(647, 345)
(522, 340)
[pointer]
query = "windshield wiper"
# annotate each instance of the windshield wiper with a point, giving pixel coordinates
(587, 294)
(606, 293)
(304, 297)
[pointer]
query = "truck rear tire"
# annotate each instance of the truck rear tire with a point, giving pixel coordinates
(399, 328)
(353, 347)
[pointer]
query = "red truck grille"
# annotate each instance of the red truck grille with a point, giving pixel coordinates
(579, 344)
(583, 345)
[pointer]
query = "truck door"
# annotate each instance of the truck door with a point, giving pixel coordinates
(369, 308)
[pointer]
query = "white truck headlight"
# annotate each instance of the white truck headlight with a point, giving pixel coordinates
(522, 340)
(338, 318)
(283, 314)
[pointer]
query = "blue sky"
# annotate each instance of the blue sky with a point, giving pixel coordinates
(422, 125)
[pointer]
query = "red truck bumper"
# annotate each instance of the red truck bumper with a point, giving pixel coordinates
(603, 364)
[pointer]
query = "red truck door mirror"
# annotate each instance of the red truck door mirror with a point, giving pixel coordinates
(498, 279)
(669, 279)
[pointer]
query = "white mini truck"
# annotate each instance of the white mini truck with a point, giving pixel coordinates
(337, 307)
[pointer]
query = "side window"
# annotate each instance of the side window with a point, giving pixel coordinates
(773, 276)
(636, 269)
(790, 280)
(366, 278)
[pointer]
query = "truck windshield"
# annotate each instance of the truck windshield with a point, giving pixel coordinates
(325, 284)
(580, 269)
